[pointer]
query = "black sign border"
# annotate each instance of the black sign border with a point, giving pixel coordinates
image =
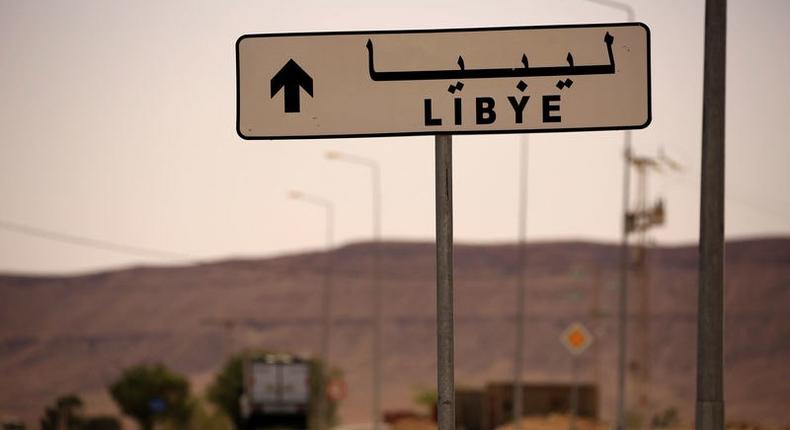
(459, 132)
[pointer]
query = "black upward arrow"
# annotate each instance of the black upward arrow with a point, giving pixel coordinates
(292, 77)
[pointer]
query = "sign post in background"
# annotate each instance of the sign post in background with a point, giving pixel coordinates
(576, 339)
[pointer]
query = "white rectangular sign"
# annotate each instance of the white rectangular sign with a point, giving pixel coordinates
(488, 80)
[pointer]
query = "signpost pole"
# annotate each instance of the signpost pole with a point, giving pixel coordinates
(444, 282)
(710, 329)
(576, 338)
(574, 391)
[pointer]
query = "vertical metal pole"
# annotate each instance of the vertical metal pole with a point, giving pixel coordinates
(377, 298)
(640, 355)
(323, 406)
(518, 400)
(326, 294)
(622, 331)
(376, 307)
(574, 391)
(597, 331)
(444, 282)
(710, 329)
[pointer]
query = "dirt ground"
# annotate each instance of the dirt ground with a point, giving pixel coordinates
(550, 422)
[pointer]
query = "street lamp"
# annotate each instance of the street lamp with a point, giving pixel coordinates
(375, 172)
(623, 294)
(326, 293)
(518, 360)
(629, 11)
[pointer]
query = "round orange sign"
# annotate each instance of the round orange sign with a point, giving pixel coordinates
(336, 389)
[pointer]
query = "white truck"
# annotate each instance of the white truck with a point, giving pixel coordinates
(276, 393)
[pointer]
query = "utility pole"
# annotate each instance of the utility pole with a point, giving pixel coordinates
(640, 221)
(597, 315)
(710, 326)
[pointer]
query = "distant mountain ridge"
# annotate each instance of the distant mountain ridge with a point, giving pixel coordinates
(75, 333)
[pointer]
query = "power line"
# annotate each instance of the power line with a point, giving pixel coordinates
(88, 242)
(734, 193)
(737, 197)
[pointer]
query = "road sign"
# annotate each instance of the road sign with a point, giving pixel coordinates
(157, 405)
(336, 389)
(461, 81)
(576, 338)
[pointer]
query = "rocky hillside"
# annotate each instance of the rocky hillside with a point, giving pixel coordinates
(75, 334)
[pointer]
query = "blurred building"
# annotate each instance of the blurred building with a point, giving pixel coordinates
(492, 406)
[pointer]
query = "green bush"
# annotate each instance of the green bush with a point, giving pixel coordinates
(151, 394)
(68, 410)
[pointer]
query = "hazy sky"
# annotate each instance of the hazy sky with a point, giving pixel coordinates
(117, 123)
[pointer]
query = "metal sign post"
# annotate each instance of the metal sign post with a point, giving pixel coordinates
(574, 392)
(576, 339)
(444, 282)
(710, 330)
